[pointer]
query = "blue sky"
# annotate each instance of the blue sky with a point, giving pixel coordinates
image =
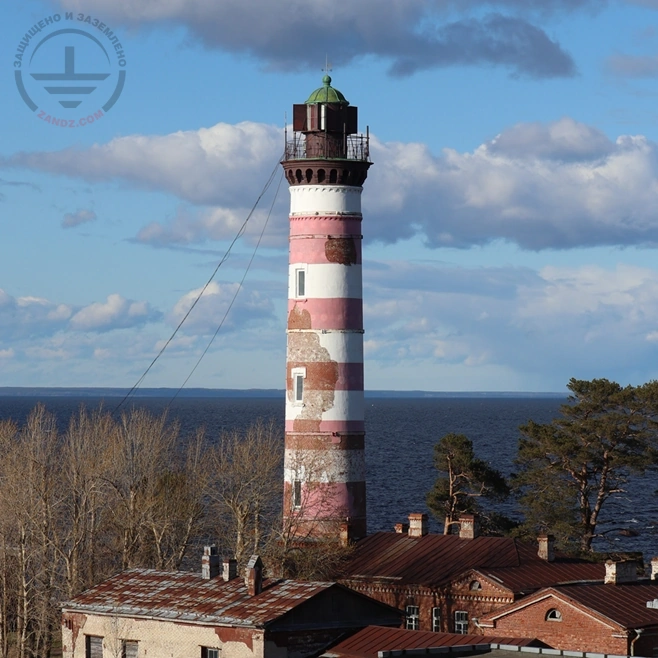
(510, 216)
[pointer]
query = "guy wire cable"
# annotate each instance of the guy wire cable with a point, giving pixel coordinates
(237, 292)
(221, 262)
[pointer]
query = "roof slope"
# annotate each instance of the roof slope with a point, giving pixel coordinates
(434, 560)
(534, 575)
(366, 643)
(624, 604)
(183, 596)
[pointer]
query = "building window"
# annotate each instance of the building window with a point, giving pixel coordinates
(436, 620)
(129, 649)
(475, 585)
(413, 618)
(300, 282)
(553, 615)
(93, 646)
(296, 494)
(461, 622)
(209, 652)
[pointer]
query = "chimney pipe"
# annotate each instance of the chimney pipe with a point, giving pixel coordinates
(253, 576)
(229, 569)
(401, 528)
(546, 547)
(620, 572)
(654, 568)
(417, 525)
(469, 528)
(209, 562)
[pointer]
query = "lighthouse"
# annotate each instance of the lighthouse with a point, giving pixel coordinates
(326, 162)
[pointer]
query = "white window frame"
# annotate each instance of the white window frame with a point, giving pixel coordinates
(210, 652)
(300, 291)
(553, 615)
(436, 620)
(412, 618)
(298, 376)
(461, 622)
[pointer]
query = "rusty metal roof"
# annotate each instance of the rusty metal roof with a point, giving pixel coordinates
(366, 643)
(534, 575)
(434, 560)
(624, 604)
(183, 596)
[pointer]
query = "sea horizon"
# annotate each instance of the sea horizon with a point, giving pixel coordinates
(200, 392)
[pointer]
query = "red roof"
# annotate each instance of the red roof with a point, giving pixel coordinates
(624, 604)
(434, 560)
(535, 575)
(366, 643)
(183, 596)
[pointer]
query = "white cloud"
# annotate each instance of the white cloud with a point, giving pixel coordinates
(250, 307)
(541, 326)
(115, 313)
(82, 216)
(559, 185)
(7, 354)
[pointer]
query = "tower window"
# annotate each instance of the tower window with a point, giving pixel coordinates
(298, 375)
(296, 494)
(412, 621)
(300, 282)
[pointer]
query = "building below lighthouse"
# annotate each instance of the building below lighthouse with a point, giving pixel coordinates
(326, 163)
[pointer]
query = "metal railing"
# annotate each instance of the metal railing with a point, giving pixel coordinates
(355, 147)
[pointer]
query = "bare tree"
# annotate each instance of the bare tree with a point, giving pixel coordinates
(245, 486)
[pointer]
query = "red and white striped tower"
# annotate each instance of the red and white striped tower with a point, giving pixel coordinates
(326, 163)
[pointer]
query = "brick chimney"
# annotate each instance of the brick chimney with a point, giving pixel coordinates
(417, 525)
(401, 528)
(620, 572)
(469, 528)
(654, 568)
(229, 569)
(346, 533)
(546, 547)
(209, 562)
(253, 576)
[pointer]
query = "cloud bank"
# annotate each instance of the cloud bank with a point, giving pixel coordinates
(559, 185)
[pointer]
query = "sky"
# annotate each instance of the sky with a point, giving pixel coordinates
(510, 217)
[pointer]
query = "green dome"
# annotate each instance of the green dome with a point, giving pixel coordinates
(326, 94)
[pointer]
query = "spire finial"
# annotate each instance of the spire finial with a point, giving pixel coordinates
(327, 67)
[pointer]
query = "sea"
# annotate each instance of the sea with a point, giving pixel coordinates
(400, 436)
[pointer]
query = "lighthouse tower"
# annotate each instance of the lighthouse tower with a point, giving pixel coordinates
(326, 163)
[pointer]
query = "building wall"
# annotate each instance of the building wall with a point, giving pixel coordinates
(160, 639)
(448, 600)
(578, 630)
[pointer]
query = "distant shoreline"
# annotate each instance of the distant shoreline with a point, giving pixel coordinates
(89, 392)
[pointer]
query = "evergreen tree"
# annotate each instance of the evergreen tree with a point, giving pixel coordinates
(571, 466)
(462, 481)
